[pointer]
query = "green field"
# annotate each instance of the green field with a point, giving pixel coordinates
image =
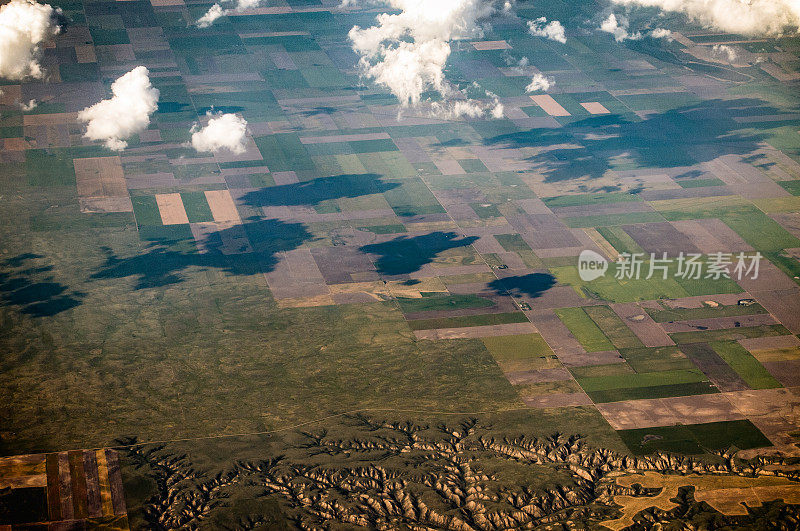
(588, 199)
(656, 359)
(652, 391)
(745, 365)
(694, 439)
(471, 320)
(705, 312)
(196, 206)
(146, 211)
(584, 329)
(730, 334)
(521, 353)
(602, 383)
(640, 288)
(436, 301)
(512, 242)
(613, 327)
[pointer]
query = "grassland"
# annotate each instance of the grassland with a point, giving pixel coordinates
(211, 354)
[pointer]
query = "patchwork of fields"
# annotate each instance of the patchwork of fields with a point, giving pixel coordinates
(363, 257)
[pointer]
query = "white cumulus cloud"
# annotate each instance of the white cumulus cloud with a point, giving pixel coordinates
(550, 30)
(24, 26)
(216, 11)
(661, 33)
(224, 131)
(407, 51)
(457, 109)
(210, 16)
(127, 113)
(497, 111)
(723, 53)
(749, 17)
(539, 82)
(618, 27)
(518, 67)
(28, 107)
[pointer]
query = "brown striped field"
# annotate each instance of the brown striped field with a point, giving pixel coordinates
(77, 488)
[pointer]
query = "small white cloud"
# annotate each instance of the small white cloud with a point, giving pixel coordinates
(661, 33)
(619, 28)
(216, 11)
(539, 82)
(28, 107)
(466, 108)
(749, 17)
(723, 53)
(453, 110)
(498, 110)
(24, 27)
(127, 113)
(224, 131)
(518, 66)
(552, 30)
(210, 16)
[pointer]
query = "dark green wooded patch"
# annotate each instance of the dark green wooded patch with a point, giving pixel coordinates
(438, 301)
(694, 438)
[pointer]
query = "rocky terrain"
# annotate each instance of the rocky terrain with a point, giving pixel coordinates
(462, 476)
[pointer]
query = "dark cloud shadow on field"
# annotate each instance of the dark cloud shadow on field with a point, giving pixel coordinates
(172, 106)
(404, 255)
(318, 190)
(244, 249)
(670, 139)
(318, 110)
(532, 285)
(165, 260)
(453, 142)
(32, 288)
(691, 174)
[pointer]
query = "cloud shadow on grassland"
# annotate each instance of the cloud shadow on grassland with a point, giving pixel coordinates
(239, 250)
(244, 249)
(32, 289)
